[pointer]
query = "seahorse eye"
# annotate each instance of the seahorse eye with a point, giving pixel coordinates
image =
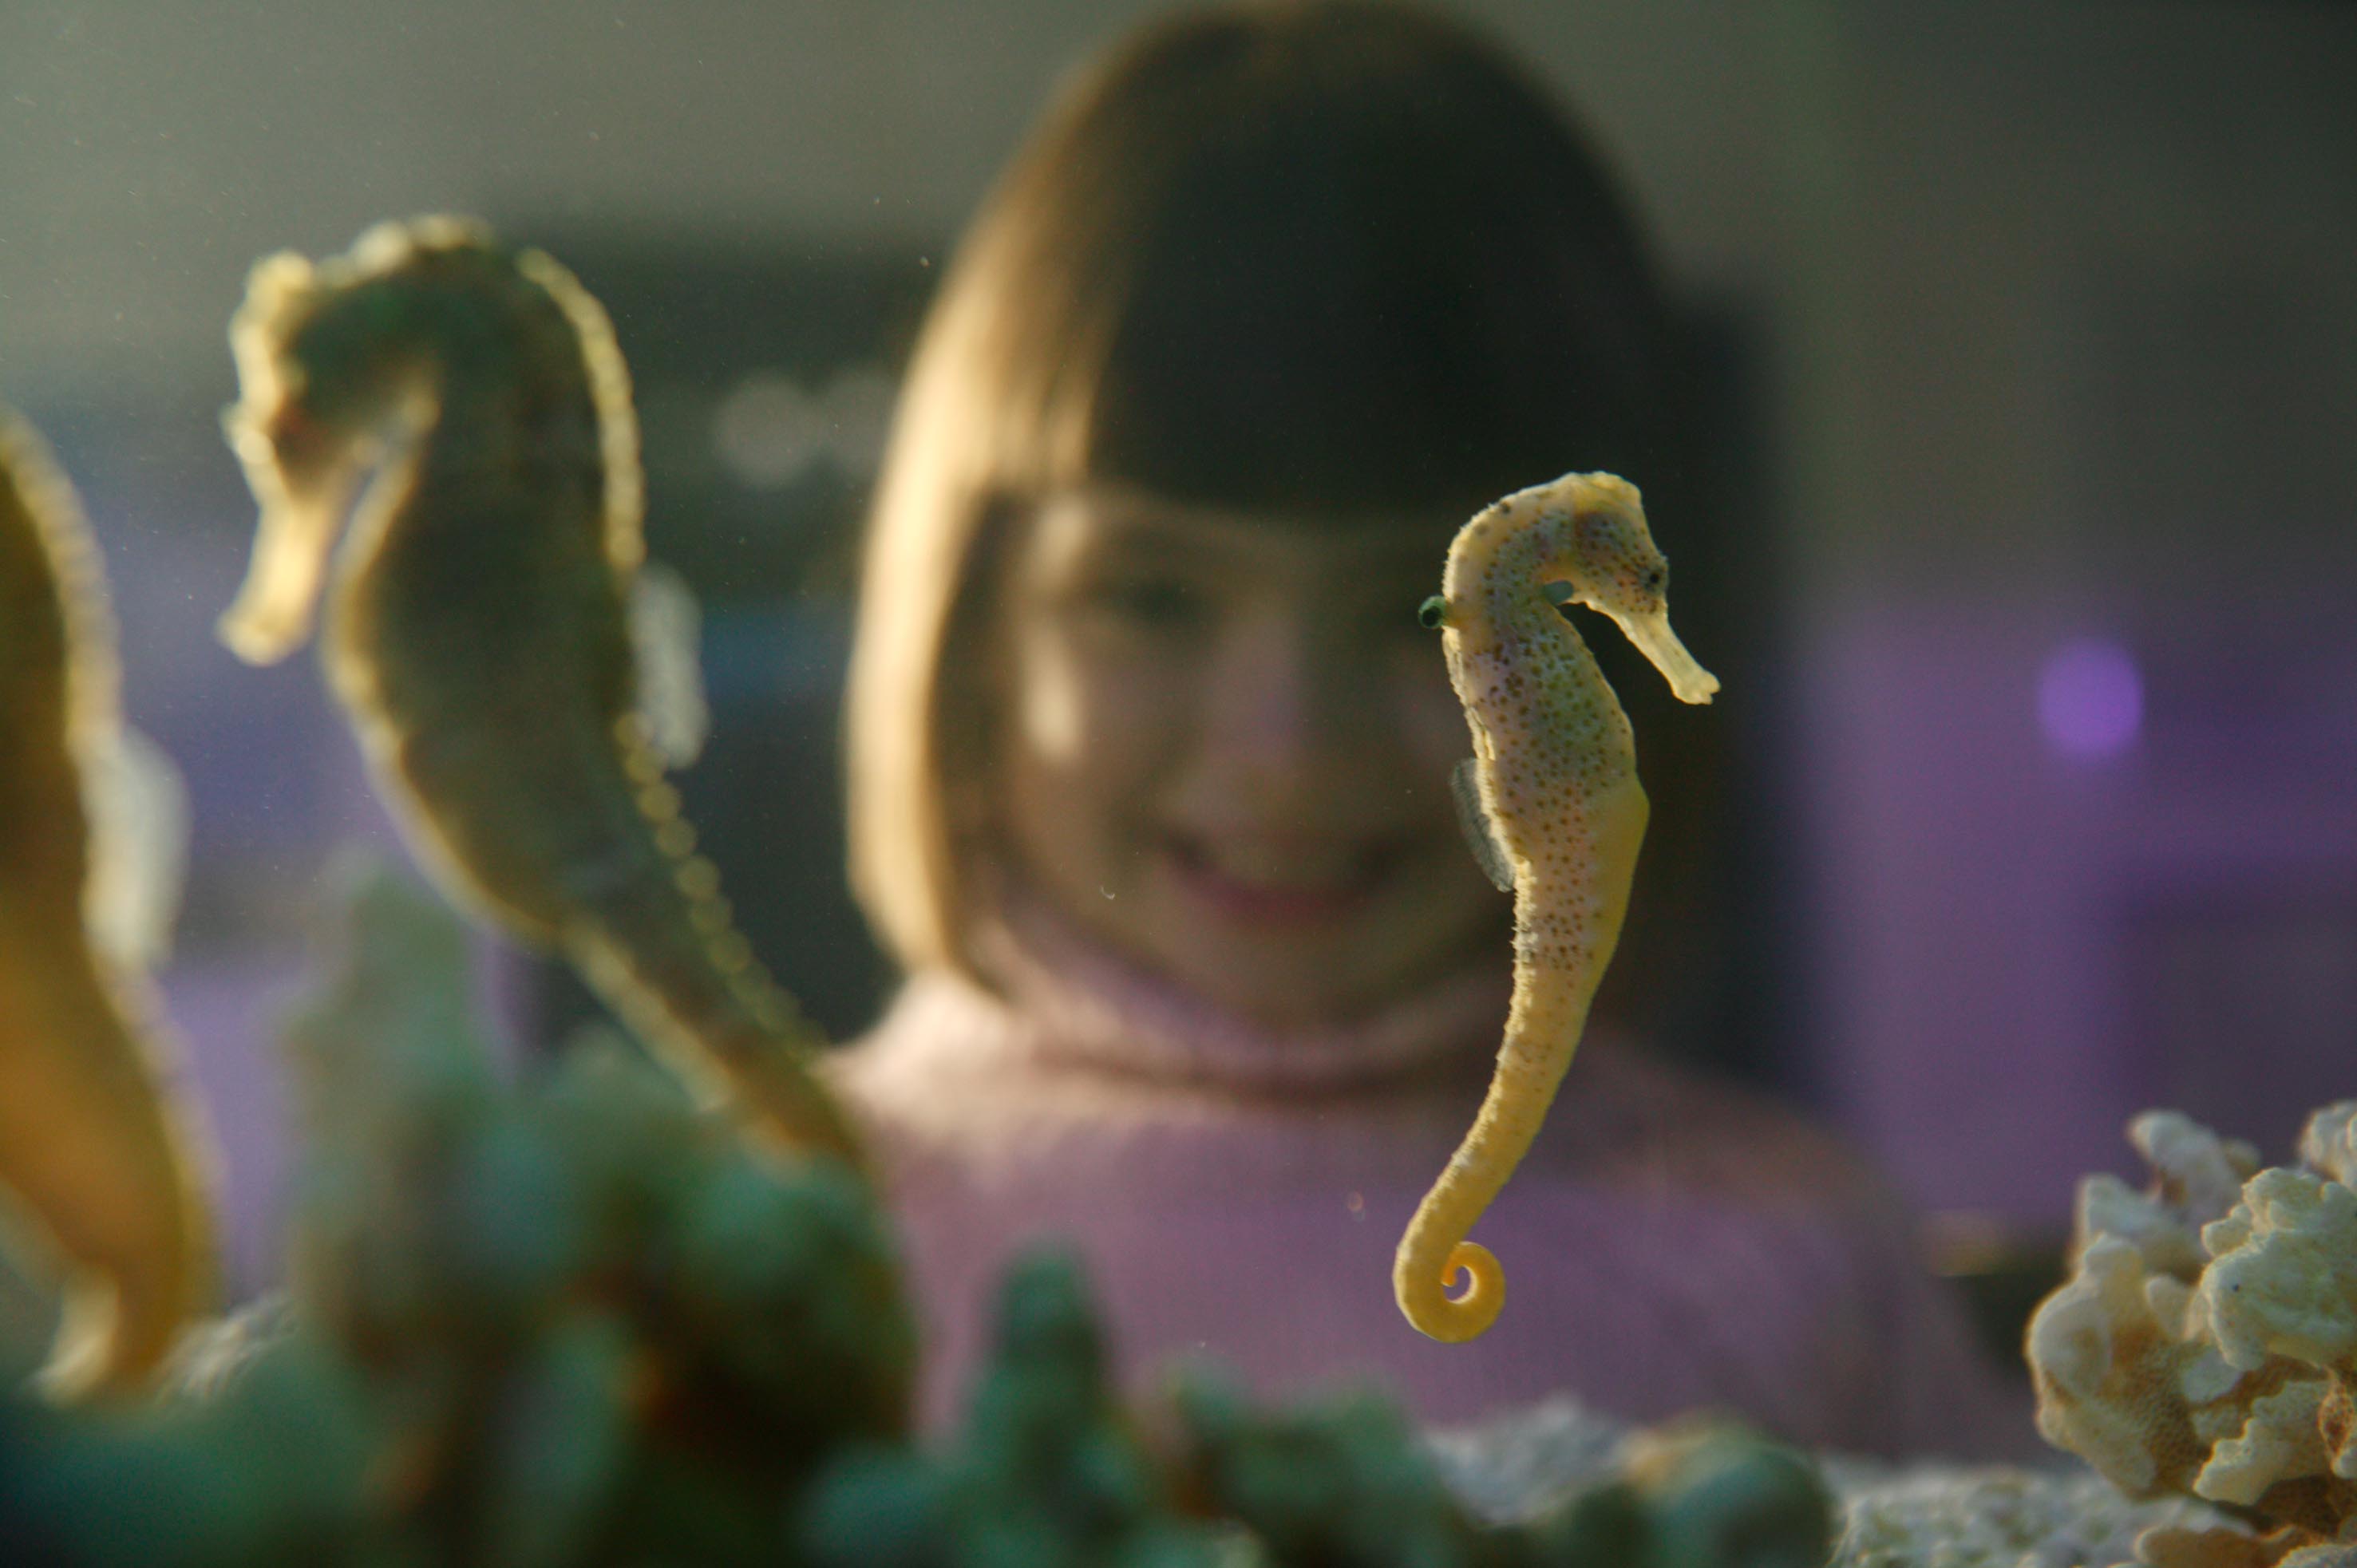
(1433, 613)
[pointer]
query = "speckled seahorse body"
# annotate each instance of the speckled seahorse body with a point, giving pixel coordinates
(1558, 773)
(97, 1150)
(477, 629)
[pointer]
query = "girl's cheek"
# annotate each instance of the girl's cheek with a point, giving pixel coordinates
(1106, 717)
(1052, 703)
(1138, 716)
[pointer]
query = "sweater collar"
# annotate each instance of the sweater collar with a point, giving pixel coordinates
(1082, 1002)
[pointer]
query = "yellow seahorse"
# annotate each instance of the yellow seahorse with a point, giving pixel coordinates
(1556, 773)
(479, 630)
(105, 1161)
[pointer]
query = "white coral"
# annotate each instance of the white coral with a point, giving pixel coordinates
(2112, 1375)
(2002, 1519)
(2220, 1369)
(2328, 1144)
(2111, 1209)
(2198, 1171)
(1920, 1516)
(2197, 1178)
(2277, 1443)
(2283, 1275)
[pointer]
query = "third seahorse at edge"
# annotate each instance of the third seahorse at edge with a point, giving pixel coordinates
(104, 1151)
(1557, 769)
(478, 630)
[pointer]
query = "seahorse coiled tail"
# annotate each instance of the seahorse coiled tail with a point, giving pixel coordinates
(477, 629)
(104, 1159)
(1557, 770)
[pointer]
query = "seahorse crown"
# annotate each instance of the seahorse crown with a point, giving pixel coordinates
(319, 351)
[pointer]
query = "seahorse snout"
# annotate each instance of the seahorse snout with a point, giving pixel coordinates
(1650, 636)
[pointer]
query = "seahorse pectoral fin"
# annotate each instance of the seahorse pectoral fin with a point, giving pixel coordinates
(665, 626)
(1473, 822)
(138, 810)
(1653, 637)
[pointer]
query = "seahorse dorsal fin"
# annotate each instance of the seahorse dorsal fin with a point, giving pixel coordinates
(1464, 785)
(665, 622)
(139, 848)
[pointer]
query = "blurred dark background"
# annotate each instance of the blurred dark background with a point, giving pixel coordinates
(2026, 337)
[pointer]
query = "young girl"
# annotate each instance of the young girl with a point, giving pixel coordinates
(1150, 763)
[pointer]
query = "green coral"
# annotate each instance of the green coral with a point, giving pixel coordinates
(570, 1321)
(1049, 1471)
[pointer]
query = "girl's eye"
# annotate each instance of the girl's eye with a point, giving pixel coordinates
(1159, 603)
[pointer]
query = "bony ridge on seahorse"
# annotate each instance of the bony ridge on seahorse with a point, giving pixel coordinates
(1558, 798)
(98, 1148)
(478, 630)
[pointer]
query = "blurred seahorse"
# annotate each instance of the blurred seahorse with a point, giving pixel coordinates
(480, 630)
(104, 1157)
(1560, 816)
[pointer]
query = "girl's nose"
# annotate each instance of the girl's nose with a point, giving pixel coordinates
(1282, 705)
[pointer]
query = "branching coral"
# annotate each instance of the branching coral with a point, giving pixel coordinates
(2002, 1519)
(2207, 1343)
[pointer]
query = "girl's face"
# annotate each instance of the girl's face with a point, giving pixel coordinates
(1226, 750)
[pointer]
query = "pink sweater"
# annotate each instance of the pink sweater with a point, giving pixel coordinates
(1671, 1242)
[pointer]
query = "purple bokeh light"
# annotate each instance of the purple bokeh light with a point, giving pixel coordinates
(2090, 699)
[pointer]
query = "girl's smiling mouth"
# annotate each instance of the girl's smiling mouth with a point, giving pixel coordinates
(1293, 884)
